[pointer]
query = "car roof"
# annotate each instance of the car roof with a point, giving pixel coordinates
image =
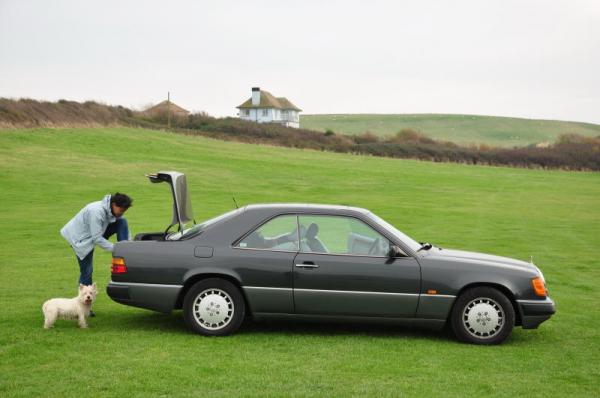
(304, 207)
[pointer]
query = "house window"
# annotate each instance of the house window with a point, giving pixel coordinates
(265, 112)
(246, 112)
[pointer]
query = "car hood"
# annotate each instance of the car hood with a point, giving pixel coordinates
(479, 258)
(182, 205)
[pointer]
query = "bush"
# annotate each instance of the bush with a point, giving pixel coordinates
(409, 135)
(571, 152)
(366, 138)
(31, 113)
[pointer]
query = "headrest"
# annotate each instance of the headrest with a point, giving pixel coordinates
(312, 231)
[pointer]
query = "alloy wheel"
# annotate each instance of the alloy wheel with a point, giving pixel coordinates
(213, 309)
(483, 317)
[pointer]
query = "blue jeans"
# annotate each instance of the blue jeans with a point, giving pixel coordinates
(86, 266)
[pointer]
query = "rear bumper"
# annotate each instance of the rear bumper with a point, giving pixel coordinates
(154, 297)
(534, 312)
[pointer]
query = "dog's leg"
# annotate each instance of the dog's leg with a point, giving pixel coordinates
(49, 318)
(82, 322)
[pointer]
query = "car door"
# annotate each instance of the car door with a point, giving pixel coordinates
(343, 269)
(267, 255)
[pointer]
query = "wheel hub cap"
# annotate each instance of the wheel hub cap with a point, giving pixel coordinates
(213, 309)
(483, 317)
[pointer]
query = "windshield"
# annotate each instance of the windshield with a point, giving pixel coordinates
(407, 240)
(197, 228)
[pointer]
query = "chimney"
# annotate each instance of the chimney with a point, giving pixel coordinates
(255, 96)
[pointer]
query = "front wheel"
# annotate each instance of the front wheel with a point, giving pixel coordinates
(482, 315)
(214, 307)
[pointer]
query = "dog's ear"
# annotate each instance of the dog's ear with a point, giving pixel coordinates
(81, 286)
(94, 286)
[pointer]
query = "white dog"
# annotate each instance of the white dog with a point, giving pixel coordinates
(76, 308)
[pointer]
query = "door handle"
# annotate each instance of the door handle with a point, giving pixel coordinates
(307, 264)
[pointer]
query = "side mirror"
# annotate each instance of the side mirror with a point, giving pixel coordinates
(395, 251)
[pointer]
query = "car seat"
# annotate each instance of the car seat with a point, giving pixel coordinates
(315, 245)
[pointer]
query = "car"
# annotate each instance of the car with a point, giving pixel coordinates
(309, 261)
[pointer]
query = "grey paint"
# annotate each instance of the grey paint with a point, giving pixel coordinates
(386, 289)
(270, 299)
(434, 306)
(342, 286)
(203, 251)
(346, 286)
(156, 297)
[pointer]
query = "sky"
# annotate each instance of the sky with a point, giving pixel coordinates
(521, 58)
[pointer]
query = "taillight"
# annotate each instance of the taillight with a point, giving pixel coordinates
(118, 266)
(539, 287)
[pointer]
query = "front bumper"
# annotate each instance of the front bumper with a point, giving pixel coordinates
(534, 312)
(154, 297)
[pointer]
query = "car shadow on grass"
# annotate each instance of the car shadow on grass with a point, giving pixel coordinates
(142, 321)
(326, 328)
(174, 323)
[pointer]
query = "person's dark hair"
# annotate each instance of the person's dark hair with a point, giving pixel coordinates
(121, 200)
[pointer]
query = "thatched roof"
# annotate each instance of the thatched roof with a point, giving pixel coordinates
(165, 106)
(268, 100)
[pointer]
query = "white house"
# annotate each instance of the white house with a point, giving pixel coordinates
(264, 107)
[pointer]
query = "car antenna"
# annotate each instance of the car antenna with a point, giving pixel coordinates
(232, 197)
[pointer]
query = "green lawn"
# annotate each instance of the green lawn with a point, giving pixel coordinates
(48, 175)
(461, 129)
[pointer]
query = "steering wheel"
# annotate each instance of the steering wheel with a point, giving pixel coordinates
(374, 246)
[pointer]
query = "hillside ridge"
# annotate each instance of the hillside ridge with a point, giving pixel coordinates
(465, 129)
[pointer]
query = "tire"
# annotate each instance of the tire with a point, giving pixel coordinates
(214, 307)
(482, 315)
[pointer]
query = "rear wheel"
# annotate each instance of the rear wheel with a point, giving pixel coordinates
(482, 315)
(214, 307)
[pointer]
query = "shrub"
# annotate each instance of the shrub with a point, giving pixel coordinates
(366, 138)
(31, 113)
(572, 152)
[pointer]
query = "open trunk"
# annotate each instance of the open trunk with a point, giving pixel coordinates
(182, 205)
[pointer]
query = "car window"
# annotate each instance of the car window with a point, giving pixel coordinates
(198, 228)
(280, 233)
(407, 240)
(340, 235)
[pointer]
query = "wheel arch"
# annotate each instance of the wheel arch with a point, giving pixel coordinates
(193, 279)
(498, 286)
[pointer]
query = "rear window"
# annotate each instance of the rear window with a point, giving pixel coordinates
(198, 228)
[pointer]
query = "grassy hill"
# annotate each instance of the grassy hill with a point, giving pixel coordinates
(461, 129)
(49, 174)
(572, 151)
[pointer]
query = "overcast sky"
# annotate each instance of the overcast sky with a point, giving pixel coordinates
(535, 59)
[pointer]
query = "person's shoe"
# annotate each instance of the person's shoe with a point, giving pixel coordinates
(92, 314)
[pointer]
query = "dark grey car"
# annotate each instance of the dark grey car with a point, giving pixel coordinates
(318, 261)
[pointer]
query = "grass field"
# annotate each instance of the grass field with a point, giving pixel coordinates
(48, 175)
(461, 129)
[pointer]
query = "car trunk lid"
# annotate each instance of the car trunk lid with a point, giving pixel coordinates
(182, 205)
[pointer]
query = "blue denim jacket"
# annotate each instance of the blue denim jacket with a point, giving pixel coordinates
(85, 230)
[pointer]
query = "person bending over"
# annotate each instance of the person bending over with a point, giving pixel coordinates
(92, 226)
